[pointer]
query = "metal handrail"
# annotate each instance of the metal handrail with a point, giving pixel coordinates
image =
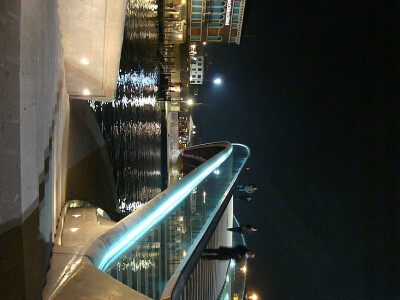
(105, 249)
(178, 280)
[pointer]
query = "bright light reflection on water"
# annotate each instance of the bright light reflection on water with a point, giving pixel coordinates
(131, 126)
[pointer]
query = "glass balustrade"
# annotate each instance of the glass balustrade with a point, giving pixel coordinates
(149, 263)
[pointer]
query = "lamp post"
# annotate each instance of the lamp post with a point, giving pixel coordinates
(253, 296)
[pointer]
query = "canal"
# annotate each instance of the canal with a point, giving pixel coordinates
(133, 125)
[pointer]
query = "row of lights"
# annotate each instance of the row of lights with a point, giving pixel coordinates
(244, 270)
(75, 229)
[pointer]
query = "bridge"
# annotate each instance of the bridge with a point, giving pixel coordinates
(155, 252)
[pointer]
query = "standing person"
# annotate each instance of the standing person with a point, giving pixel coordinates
(224, 253)
(248, 188)
(244, 229)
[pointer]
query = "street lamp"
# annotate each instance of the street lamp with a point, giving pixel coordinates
(189, 102)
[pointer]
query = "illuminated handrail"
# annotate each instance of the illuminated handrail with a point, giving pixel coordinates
(84, 265)
(108, 247)
(178, 280)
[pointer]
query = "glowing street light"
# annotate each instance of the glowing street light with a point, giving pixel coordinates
(253, 296)
(190, 102)
(217, 81)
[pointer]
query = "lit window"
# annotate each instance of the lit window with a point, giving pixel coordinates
(215, 25)
(215, 9)
(217, 3)
(216, 16)
(214, 38)
(197, 9)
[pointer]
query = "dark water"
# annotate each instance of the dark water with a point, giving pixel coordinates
(132, 123)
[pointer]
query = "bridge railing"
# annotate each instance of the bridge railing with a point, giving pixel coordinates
(179, 279)
(160, 241)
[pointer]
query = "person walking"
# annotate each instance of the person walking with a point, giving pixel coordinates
(248, 188)
(245, 229)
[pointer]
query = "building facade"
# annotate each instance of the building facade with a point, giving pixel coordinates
(216, 21)
(196, 69)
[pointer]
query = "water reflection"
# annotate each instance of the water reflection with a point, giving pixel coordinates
(131, 124)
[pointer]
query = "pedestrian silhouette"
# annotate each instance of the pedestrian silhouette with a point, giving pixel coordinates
(244, 229)
(248, 188)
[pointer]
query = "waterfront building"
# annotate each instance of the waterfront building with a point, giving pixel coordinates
(175, 20)
(196, 69)
(215, 21)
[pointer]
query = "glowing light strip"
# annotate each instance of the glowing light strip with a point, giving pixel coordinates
(178, 274)
(182, 188)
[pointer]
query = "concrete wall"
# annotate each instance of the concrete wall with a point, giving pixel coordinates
(34, 113)
(89, 165)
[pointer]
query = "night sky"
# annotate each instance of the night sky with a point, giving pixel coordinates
(313, 91)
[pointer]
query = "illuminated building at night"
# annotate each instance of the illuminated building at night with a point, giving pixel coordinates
(215, 21)
(196, 69)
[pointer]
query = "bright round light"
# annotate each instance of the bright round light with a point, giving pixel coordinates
(190, 102)
(204, 43)
(217, 81)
